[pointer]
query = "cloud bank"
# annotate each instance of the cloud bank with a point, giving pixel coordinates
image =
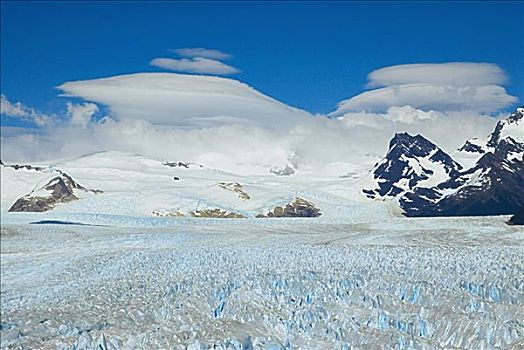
(441, 86)
(246, 148)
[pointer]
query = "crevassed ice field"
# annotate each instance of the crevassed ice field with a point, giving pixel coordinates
(446, 283)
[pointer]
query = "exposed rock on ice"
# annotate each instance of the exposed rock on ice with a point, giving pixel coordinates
(60, 189)
(286, 171)
(185, 165)
(236, 188)
(22, 166)
(297, 208)
(215, 213)
(175, 213)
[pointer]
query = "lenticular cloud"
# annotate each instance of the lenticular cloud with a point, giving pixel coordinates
(455, 86)
(185, 100)
(452, 73)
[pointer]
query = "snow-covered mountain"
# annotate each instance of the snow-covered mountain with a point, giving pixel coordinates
(135, 185)
(38, 188)
(428, 182)
(513, 128)
(416, 176)
(411, 162)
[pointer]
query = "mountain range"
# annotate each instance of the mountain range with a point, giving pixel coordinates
(426, 181)
(416, 178)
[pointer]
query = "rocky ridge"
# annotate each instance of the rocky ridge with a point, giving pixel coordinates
(493, 186)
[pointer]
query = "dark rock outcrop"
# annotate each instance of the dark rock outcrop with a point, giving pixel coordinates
(494, 186)
(396, 172)
(60, 192)
(185, 165)
(298, 208)
(21, 166)
(471, 147)
(286, 171)
(518, 218)
(502, 131)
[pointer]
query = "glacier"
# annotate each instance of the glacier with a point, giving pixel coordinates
(432, 283)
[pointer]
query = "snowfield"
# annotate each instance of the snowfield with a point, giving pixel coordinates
(400, 283)
(120, 275)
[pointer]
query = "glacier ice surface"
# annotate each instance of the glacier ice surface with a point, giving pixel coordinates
(289, 285)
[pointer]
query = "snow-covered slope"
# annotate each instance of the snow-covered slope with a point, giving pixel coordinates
(419, 177)
(136, 185)
(27, 188)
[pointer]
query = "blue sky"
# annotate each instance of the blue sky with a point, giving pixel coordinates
(307, 54)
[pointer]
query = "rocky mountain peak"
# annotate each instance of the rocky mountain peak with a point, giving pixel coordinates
(410, 161)
(407, 144)
(512, 127)
(60, 189)
(517, 116)
(412, 172)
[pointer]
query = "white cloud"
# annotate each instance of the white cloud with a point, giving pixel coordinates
(184, 100)
(194, 65)
(23, 112)
(81, 114)
(12, 109)
(455, 86)
(408, 114)
(449, 130)
(201, 52)
(452, 73)
(245, 148)
(226, 124)
(487, 98)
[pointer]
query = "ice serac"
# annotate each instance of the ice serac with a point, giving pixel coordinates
(492, 186)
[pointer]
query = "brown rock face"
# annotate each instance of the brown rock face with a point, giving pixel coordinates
(215, 213)
(236, 188)
(175, 213)
(61, 192)
(298, 208)
(60, 189)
